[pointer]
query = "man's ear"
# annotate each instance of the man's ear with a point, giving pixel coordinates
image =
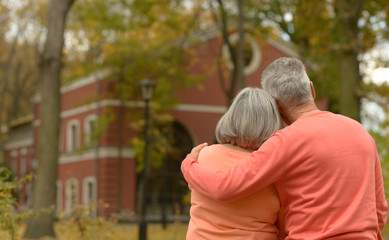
(312, 90)
(279, 107)
(282, 113)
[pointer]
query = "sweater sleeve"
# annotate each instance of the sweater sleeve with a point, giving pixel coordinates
(262, 168)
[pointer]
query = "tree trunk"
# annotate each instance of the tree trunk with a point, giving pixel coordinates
(240, 63)
(348, 13)
(45, 184)
(236, 54)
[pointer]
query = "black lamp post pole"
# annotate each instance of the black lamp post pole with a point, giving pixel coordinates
(143, 184)
(147, 90)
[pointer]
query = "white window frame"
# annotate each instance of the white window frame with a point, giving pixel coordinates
(85, 194)
(70, 145)
(87, 130)
(69, 195)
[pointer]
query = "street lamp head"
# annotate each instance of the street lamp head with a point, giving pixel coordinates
(147, 87)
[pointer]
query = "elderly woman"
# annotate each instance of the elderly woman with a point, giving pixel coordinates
(250, 120)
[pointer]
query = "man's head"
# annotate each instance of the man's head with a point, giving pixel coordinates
(287, 81)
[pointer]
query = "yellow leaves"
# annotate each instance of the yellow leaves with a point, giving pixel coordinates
(91, 22)
(172, 70)
(314, 40)
(8, 200)
(37, 8)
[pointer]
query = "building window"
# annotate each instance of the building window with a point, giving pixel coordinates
(73, 135)
(14, 162)
(89, 197)
(71, 195)
(90, 127)
(23, 162)
(29, 195)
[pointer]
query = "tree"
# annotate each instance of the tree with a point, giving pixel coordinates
(222, 17)
(18, 62)
(330, 36)
(240, 49)
(347, 16)
(45, 183)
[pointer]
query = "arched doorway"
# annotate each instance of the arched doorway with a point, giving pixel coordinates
(167, 187)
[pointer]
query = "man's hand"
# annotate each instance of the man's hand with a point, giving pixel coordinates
(196, 150)
(189, 158)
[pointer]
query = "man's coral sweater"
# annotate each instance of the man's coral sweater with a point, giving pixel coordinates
(327, 173)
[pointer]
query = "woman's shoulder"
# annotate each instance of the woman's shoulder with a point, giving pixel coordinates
(220, 157)
(225, 148)
(211, 149)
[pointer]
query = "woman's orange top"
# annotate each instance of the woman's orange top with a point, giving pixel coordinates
(252, 217)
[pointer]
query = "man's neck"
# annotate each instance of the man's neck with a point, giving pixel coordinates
(292, 114)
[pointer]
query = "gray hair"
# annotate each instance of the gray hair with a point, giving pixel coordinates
(287, 81)
(251, 119)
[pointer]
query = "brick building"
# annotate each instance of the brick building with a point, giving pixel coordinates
(106, 171)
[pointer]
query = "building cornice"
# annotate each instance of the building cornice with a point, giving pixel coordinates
(92, 154)
(84, 81)
(200, 108)
(18, 143)
(138, 104)
(78, 83)
(204, 35)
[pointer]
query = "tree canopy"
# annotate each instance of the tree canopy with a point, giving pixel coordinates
(139, 39)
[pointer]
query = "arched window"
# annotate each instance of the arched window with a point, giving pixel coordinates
(71, 192)
(89, 194)
(252, 53)
(73, 135)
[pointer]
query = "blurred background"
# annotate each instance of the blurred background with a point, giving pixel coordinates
(101, 100)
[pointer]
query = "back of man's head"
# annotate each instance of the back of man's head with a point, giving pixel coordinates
(287, 81)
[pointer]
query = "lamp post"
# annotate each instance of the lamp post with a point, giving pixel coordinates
(147, 88)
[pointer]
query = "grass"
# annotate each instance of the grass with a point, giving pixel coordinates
(111, 231)
(105, 230)
(385, 234)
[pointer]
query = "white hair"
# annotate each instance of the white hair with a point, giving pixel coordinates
(287, 81)
(251, 119)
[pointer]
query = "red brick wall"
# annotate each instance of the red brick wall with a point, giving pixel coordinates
(201, 125)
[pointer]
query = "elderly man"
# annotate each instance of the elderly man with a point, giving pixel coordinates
(325, 166)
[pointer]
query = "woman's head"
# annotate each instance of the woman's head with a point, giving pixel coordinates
(250, 120)
(287, 81)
